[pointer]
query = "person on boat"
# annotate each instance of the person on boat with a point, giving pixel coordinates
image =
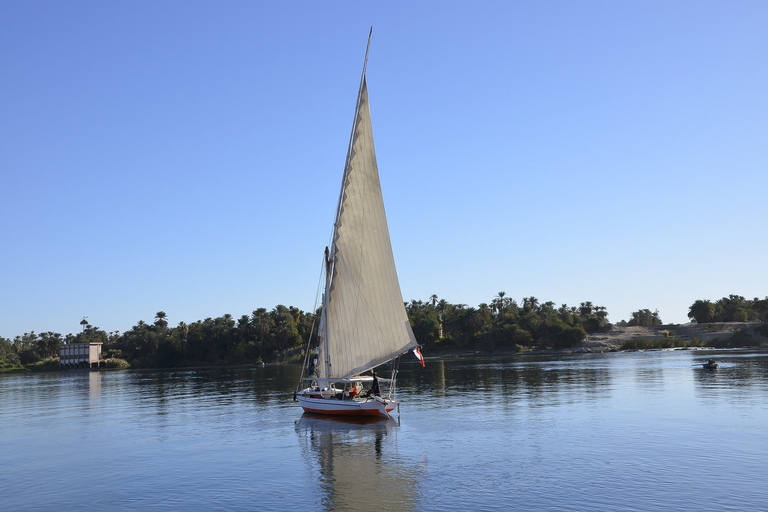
(375, 388)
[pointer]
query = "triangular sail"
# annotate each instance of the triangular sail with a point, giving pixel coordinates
(364, 320)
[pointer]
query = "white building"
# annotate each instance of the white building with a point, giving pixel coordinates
(80, 355)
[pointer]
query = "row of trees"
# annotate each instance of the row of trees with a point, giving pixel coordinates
(280, 333)
(505, 324)
(263, 335)
(643, 318)
(31, 347)
(733, 308)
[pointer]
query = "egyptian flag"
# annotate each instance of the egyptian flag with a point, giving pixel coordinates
(418, 355)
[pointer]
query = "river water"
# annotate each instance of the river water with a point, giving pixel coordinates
(614, 432)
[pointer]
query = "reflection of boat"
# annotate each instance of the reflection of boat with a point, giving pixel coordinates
(710, 365)
(356, 463)
(363, 323)
(345, 423)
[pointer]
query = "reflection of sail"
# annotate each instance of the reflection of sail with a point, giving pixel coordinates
(359, 468)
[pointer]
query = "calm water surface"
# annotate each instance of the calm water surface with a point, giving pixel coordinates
(635, 432)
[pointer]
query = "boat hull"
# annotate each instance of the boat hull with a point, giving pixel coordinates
(379, 407)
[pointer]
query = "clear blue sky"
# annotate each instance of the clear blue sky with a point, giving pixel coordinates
(186, 156)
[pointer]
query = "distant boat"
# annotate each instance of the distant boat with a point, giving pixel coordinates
(363, 323)
(711, 365)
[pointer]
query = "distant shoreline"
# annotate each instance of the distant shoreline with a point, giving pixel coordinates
(611, 341)
(615, 339)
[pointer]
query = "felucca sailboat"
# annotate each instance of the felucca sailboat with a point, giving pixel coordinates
(363, 323)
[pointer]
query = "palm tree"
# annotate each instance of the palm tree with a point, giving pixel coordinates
(441, 307)
(244, 328)
(263, 323)
(530, 304)
(499, 303)
(484, 313)
(285, 330)
(160, 320)
(183, 331)
(414, 305)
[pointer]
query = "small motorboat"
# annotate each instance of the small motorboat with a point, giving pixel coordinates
(710, 365)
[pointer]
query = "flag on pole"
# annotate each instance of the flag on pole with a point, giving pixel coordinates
(418, 355)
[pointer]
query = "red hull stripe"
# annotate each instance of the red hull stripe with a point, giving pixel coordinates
(344, 412)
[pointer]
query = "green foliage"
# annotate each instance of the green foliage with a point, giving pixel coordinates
(702, 312)
(740, 339)
(116, 363)
(9, 359)
(656, 343)
(570, 336)
(169, 353)
(280, 334)
(49, 364)
(504, 324)
(264, 335)
(8, 368)
(595, 324)
(644, 318)
(425, 322)
(733, 308)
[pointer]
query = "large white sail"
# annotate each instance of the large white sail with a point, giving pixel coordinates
(365, 323)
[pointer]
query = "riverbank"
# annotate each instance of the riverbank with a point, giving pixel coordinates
(748, 334)
(692, 336)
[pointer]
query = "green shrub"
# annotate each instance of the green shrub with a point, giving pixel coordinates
(656, 343)
(741, 338)
(116, 363)
(11, 367)
(50, 364)
(569, 337)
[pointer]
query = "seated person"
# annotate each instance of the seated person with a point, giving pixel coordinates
(355, 390)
